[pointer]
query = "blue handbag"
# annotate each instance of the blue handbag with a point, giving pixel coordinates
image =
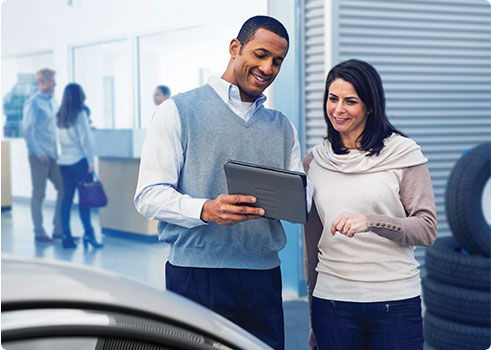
(91, 194)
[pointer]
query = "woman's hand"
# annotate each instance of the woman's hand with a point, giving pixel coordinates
(312, 341)
(91, 169)
(349, 224)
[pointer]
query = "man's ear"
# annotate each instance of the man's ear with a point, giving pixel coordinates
(234, 47)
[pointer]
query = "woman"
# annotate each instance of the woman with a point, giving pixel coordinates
(161, 94)
(76, 160)
(373, 203)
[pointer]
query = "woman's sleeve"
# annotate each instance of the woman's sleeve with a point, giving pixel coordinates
(419, 228)
(312, 234)
(85, 137)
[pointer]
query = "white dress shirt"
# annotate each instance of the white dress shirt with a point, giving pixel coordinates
(162, 158)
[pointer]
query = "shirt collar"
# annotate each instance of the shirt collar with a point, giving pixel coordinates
(230, 93)
(46, 97)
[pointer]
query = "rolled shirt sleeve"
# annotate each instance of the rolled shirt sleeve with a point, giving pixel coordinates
(28, 127)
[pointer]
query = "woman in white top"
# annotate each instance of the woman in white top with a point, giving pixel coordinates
(76, 160)
(373, 203)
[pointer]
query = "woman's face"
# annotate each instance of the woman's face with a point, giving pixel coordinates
(346, 111)
(159, 97)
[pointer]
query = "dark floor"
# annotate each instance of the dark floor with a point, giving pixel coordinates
(141, 260)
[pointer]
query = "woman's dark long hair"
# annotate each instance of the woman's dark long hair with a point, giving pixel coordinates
(71, 104)
(368, 85)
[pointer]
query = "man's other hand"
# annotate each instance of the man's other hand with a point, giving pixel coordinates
(225, 211)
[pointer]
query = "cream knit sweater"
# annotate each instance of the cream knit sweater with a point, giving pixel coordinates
(377, 265)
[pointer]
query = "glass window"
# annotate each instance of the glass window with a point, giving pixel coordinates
(181, 60)
(18, 84)
(104, 72)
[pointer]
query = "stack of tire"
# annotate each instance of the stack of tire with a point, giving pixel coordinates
(457, 287)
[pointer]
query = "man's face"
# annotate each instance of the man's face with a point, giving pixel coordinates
(159, 97)
(255, 65)
(47, 86)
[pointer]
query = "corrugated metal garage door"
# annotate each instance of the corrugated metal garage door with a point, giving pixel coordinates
(313, 73)
(435, 60)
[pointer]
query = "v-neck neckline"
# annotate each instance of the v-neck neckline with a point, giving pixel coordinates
(237, 117)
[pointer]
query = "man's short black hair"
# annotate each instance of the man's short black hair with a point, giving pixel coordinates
(164, 90)
(250, 27)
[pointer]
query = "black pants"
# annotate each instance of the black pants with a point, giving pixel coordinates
(249, 298)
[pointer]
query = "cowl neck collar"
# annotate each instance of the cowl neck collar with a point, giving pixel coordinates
(398, 152)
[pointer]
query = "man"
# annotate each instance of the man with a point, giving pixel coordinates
(161, 93)
(222, 254)
(39, 131)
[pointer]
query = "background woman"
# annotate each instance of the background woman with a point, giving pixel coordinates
(76, 160)
(373, 203)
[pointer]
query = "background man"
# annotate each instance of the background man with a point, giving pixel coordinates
(39, 131)
(161, 93)
(222, 254)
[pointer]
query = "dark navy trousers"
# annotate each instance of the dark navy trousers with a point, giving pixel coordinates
(388, 325)
(250, 298)
(72, 175)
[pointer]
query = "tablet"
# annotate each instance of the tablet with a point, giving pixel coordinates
(280, 192)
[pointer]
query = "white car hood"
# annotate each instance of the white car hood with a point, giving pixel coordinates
(39, 281)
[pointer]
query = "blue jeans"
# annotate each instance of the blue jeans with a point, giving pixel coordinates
(388, 325)
(72, 175)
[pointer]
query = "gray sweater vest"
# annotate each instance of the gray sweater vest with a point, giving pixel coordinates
(211, 135)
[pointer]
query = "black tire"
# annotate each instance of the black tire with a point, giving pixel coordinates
(445, 262)
(463, 200)
(447, 335)
(458, 304)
